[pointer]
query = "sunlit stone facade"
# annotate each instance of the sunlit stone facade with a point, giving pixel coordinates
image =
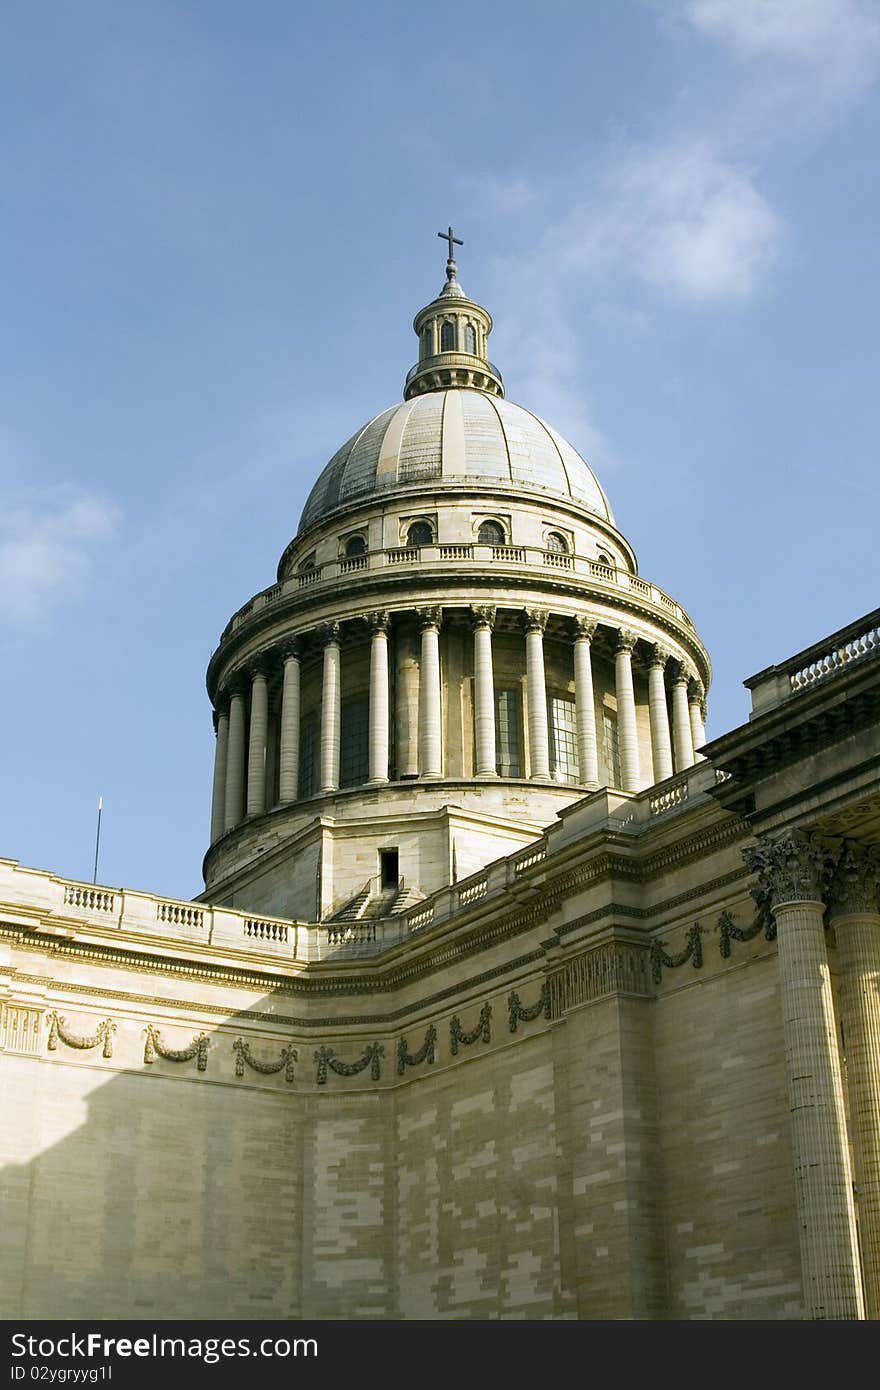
(508, 995)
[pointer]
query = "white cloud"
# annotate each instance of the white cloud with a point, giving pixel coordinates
(50, 543)
(681, 219)
(840, 38)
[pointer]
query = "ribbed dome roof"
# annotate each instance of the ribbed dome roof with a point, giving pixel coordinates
(454, 436)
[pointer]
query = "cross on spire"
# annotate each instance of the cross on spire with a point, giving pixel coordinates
(453, 241)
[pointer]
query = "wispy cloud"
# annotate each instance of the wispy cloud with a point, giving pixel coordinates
(50, 544)
(838, 39)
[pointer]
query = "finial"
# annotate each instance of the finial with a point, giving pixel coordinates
(453, 240)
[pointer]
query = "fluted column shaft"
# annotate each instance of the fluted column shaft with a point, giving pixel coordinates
(218, 798)
(430, 747)
(627, 730)
(234, 801)
(484, 696)
(378, 762)
(536, 692)
(681, 725)
(794, 868)
(585, 706)
(661, 739)
(854, 915)
(331, 711)
(288, 788)
(696, 695)
(256, 770)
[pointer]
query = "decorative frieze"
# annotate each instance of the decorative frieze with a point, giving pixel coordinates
(517, 1013)
(482, 1029)
(325, 1057)
(617, 967)
(794, 866)
(244, 1057)
(154, 1047)
(692, 951)
(83, 1043)
(426, 1052)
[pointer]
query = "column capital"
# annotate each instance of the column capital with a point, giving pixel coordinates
(237, 683)
(535, 619)
(584, 629)
(794, 866)
(429, 617)
(221, 705)
(626, 640)
(854, 885)
(258, 666)
(696, 691)
(291, 649)
(483, 615)
(328, 634)
(378, 622)
(684, 675)
(659, 656)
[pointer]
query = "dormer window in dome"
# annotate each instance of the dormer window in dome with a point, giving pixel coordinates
(447, 336)
(556, 543)
(420, 533)
(355, 546)
(470, 339)
(492, 533)
(605, 559)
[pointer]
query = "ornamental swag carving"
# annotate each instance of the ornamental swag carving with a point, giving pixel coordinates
(426, 1052)
(154, 1047)
(103, 1034)
(325, 1058)
(483, 1029)
(244, 1057)
(517, 1014)
(693, 951)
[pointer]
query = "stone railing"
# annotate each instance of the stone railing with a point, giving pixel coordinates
(88, 896)
(857, 642)
(605, 577)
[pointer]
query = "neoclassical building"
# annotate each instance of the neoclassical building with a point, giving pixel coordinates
(508, 995)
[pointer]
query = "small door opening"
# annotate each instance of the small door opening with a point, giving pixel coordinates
(389, 875)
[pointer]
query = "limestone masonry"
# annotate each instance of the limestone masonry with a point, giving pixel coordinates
(508, 996)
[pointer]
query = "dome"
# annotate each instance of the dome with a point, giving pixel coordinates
(454, 436)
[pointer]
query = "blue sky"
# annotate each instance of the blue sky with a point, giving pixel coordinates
(218, 222)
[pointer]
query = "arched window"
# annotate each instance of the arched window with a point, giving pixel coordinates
(354, 546)
(307, 564)
(556, 543)
(428, 340)
(420, 533)
(491, 533)
(470, 339)
(447, 336)
(605, 559)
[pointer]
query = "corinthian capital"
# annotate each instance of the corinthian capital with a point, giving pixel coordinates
(856, 879)
(378, 621)
(429, 617)
(584, 629)
(535, 619)
(328, 634)
(696, 691)
(659, 655)
(626, 640)
(794, 866)
(483, 616)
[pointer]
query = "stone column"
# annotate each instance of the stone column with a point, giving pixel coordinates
(406, 700)
(484, 693)
(331, 709)
(430, 743)
(681, 721)
(256, 765)
(536, 693)
(661, 741)
(288, 759)
(584, 702)
(627, 732)
(855, 918)
(696, 701)
(218, 799)
(793, 868)
(378, 697)
(234, 800)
